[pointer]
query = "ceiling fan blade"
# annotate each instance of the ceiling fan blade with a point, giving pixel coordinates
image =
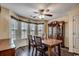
(48, 15)
(36, 12)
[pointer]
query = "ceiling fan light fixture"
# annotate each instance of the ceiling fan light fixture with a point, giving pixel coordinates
(41, 16)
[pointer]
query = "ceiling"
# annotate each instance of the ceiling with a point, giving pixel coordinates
(28, 9)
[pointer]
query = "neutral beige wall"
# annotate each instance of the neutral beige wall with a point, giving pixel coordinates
(4, 24)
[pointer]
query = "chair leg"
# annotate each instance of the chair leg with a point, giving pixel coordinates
(42, 53)
(32, 51)
(36, 52)
(29, 48)
(59, 50)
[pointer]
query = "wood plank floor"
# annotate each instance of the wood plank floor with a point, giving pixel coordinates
(23, 51)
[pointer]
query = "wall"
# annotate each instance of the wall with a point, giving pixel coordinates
(4, 24)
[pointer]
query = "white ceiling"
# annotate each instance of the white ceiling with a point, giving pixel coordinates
(28, 9)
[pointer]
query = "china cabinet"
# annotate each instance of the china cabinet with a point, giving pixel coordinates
(56, 30)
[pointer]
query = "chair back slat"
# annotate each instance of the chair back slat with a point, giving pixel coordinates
(38, 40)
(30, 38)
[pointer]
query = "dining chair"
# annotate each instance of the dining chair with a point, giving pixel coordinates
(31, 44)
(39, 45)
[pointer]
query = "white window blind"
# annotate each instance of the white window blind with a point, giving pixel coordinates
(32, 29)
(24, 30)
(40, 29)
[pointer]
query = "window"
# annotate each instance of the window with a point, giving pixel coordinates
(13, 28)
(20, 30)
(32, 29)
(24, 30)
(40, 29)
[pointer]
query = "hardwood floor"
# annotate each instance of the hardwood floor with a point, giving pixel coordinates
(23, 51)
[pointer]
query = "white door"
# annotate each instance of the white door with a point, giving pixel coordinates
(76, 34)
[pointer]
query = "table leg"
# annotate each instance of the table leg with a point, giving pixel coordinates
(59, 50)
(49, 51)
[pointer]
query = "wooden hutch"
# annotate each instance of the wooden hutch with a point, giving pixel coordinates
(56, 30)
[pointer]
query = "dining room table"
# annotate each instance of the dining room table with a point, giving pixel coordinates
(51, 43)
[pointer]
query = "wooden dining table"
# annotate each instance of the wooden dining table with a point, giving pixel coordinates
(52, 43)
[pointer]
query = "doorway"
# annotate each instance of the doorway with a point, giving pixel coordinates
(76, 34)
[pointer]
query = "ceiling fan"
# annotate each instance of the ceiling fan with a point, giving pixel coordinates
(44, 12)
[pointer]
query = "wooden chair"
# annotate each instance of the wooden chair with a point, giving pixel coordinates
(39, 45)
(31, 44)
